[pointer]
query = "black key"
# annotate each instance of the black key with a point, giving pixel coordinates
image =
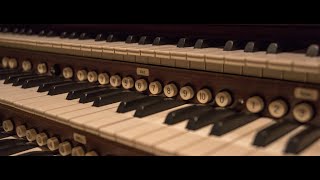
(302, 140)
(114, 38)
(232, 45)
(13, 78)
(63, 35)
(158, 41)
(274, 48)
(15, 30)
(7, 143)
(3, 135)
(6, 74)
(208, 117)
(201, 43)
(255, 46)
(84, 36)
(185, 42)
(74, 35)
(38, 82)
(19, 81)
(38, 153)
(18, 147)
(145, 40)
(64, 88)
(92, 95)
(231, 123)
(115, 97)
(132, 39)
(185, 113)
(313, 50)
(133, 104)
(274, 132)
(22, 31)
(30, 32)
(42, 33)
(163, 105)
(100, 37)
(47, 85)
(51, 34)
(75, 94)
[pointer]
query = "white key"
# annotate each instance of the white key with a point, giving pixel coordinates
(277, 147)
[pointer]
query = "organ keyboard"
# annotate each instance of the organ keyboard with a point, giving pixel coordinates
(86, 92)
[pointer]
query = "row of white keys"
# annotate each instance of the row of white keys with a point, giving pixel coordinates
(215, 143)
(277, 147)
(67, 116)
(127, 131)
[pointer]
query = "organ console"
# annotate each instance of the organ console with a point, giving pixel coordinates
(159, 89)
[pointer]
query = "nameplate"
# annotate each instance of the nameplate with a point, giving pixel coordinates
(143, 71)
(79, 138)
(306, 94)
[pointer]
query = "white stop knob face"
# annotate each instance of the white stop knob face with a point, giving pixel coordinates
(31, 135)
(42, 68)
(303, 112)
(278, 108)
(65, 148)
(78, 151)
(53, 143)
(13, 63)
(67, 72)
(255, 104)
(141, 85)
(186, 93)
(127, 83)
(204, 96)
(155, 88)
(115, 81)
(223, 99)
(5, 62)
(42, 139)
(7, 125)
(92, 76)
(21, 131)
(82, 75)
(103, 78)
(91, 153)
(26, 66)
(170, 90)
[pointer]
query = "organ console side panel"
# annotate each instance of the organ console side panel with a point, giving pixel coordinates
(159, 89)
